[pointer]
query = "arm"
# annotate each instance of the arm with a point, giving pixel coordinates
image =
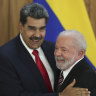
(10, 84)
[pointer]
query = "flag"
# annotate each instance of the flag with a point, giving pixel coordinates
(68, 15)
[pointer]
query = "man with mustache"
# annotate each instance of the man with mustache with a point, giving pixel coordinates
(27, 64)
(69, 53)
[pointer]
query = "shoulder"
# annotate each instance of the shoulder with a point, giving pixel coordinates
(8, 47)
(49, 43)
(87, 70)
(48, 46)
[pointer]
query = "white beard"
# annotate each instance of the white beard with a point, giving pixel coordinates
(66, 64)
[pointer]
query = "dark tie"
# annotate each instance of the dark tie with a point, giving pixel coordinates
(42, 70)
(60, 81)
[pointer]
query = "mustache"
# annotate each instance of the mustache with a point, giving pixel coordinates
(59, 58)
(35, 38)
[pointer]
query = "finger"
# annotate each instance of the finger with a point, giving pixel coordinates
(72, 84)
(84, 93)
(80, 89)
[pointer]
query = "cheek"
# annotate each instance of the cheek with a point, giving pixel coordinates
(43, 34)
(26, 36)
(71, 56)
(66, 56)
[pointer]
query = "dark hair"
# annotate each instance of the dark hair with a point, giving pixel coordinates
(33, 10)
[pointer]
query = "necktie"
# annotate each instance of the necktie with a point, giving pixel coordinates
(60, 81)
(42, 70)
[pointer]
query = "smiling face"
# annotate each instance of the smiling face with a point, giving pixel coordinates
(33, 32)
(66, 53)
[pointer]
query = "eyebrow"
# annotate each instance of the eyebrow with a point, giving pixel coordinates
(31, 26)
(42, 27)
(61, 47)
(35, 27)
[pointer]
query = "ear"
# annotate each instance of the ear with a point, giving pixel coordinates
(20, 27)
(81, 54)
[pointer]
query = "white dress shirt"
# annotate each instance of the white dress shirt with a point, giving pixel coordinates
(43, 59)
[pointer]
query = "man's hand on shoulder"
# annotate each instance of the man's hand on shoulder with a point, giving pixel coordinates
(74, 91)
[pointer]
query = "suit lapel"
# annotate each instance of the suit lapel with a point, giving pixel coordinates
(28, 62)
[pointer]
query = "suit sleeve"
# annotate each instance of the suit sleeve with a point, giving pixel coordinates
(10, 85)
(93, 92)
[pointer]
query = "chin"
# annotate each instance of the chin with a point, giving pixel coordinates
(59, 66)
(62, 66)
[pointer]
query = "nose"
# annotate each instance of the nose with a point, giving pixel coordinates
(37, 33)
(57, 52)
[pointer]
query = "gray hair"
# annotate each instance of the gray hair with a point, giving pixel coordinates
(33, 10)
(79, 40)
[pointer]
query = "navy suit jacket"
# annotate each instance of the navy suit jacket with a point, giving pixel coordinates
(85, 77)
(19, 75)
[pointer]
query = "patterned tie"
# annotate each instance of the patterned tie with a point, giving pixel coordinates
(60, 81)
(42, 70)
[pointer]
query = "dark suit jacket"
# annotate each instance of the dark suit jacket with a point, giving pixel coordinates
(19, 75)
(85, 77)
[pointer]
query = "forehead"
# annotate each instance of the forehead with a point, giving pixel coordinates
(65, 41)
(34, 21)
